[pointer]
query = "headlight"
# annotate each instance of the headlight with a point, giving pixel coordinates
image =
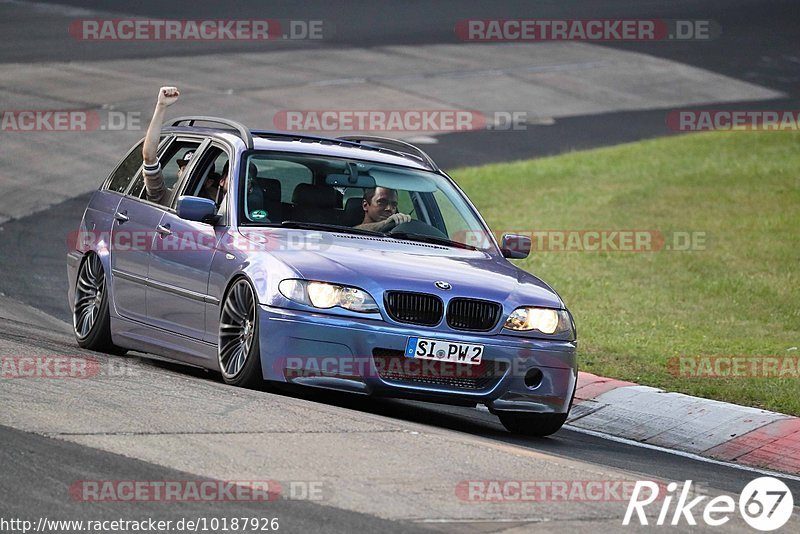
(324, 295)
(545, 320)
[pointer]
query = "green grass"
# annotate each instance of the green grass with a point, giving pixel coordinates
(634, 311)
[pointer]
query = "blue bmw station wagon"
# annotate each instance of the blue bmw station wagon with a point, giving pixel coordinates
(285, 279)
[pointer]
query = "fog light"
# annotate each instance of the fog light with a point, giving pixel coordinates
(533, 378)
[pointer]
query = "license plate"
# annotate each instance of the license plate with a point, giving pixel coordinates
(445, 351)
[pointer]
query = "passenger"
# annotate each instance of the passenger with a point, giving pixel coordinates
(211, 185)
(380, 210)
(216, 186)
(153, 175)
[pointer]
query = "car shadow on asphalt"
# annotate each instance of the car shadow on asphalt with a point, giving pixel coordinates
(447, 417)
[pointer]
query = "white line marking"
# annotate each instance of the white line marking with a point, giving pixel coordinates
(64, 9)
(507, 520)
(338, 81)
(682, 453)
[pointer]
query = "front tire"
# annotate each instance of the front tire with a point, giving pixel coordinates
(238, 349)
(91, 321)
(532, 424)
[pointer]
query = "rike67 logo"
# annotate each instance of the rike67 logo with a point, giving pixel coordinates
(765, 504)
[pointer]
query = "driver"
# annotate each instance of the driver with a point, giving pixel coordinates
(380, 210)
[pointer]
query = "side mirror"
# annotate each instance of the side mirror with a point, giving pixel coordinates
(196, 209)
(515, 246)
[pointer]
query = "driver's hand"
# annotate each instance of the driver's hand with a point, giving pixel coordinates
(398, 218)
(167, 96)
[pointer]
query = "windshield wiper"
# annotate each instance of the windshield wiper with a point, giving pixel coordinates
(326, 227)
(429, 239)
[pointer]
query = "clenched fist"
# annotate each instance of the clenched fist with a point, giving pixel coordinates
(167, 96)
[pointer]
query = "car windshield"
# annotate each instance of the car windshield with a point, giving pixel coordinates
(334, 194)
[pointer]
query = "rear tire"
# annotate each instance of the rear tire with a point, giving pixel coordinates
(91, 321)
(532, 424)
(238, 349)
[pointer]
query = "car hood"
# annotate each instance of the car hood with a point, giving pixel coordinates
(379, 264)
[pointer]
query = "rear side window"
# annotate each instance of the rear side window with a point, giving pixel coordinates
(289, 173)
(126, 170)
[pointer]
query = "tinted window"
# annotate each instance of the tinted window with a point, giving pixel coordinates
(207, 175)
(169, 165)
(126, 170)
(289, 173)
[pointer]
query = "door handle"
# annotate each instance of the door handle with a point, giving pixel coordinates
(122, 216)
(163, 230)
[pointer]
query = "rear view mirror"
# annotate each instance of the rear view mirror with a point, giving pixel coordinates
(515, 247)
(345, 180)
(196, 208)
(352, 179)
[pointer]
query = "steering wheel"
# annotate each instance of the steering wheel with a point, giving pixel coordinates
(416, 226)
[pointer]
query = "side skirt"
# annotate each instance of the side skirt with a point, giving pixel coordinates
(137, 336)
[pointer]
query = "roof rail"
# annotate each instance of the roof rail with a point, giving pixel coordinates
(343, 141)
(244, 131)
(393, 144)
(266, 134)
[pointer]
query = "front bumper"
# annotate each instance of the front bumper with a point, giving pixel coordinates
(367, 356)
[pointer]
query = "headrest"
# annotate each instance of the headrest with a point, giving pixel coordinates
(353, 211)
(353, 205)
(320, 196)
(271, 188)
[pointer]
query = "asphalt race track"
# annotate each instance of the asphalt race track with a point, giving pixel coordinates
(146, 419)
(141, 419)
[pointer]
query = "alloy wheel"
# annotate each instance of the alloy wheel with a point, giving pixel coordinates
(237, 328)
(89, 294)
